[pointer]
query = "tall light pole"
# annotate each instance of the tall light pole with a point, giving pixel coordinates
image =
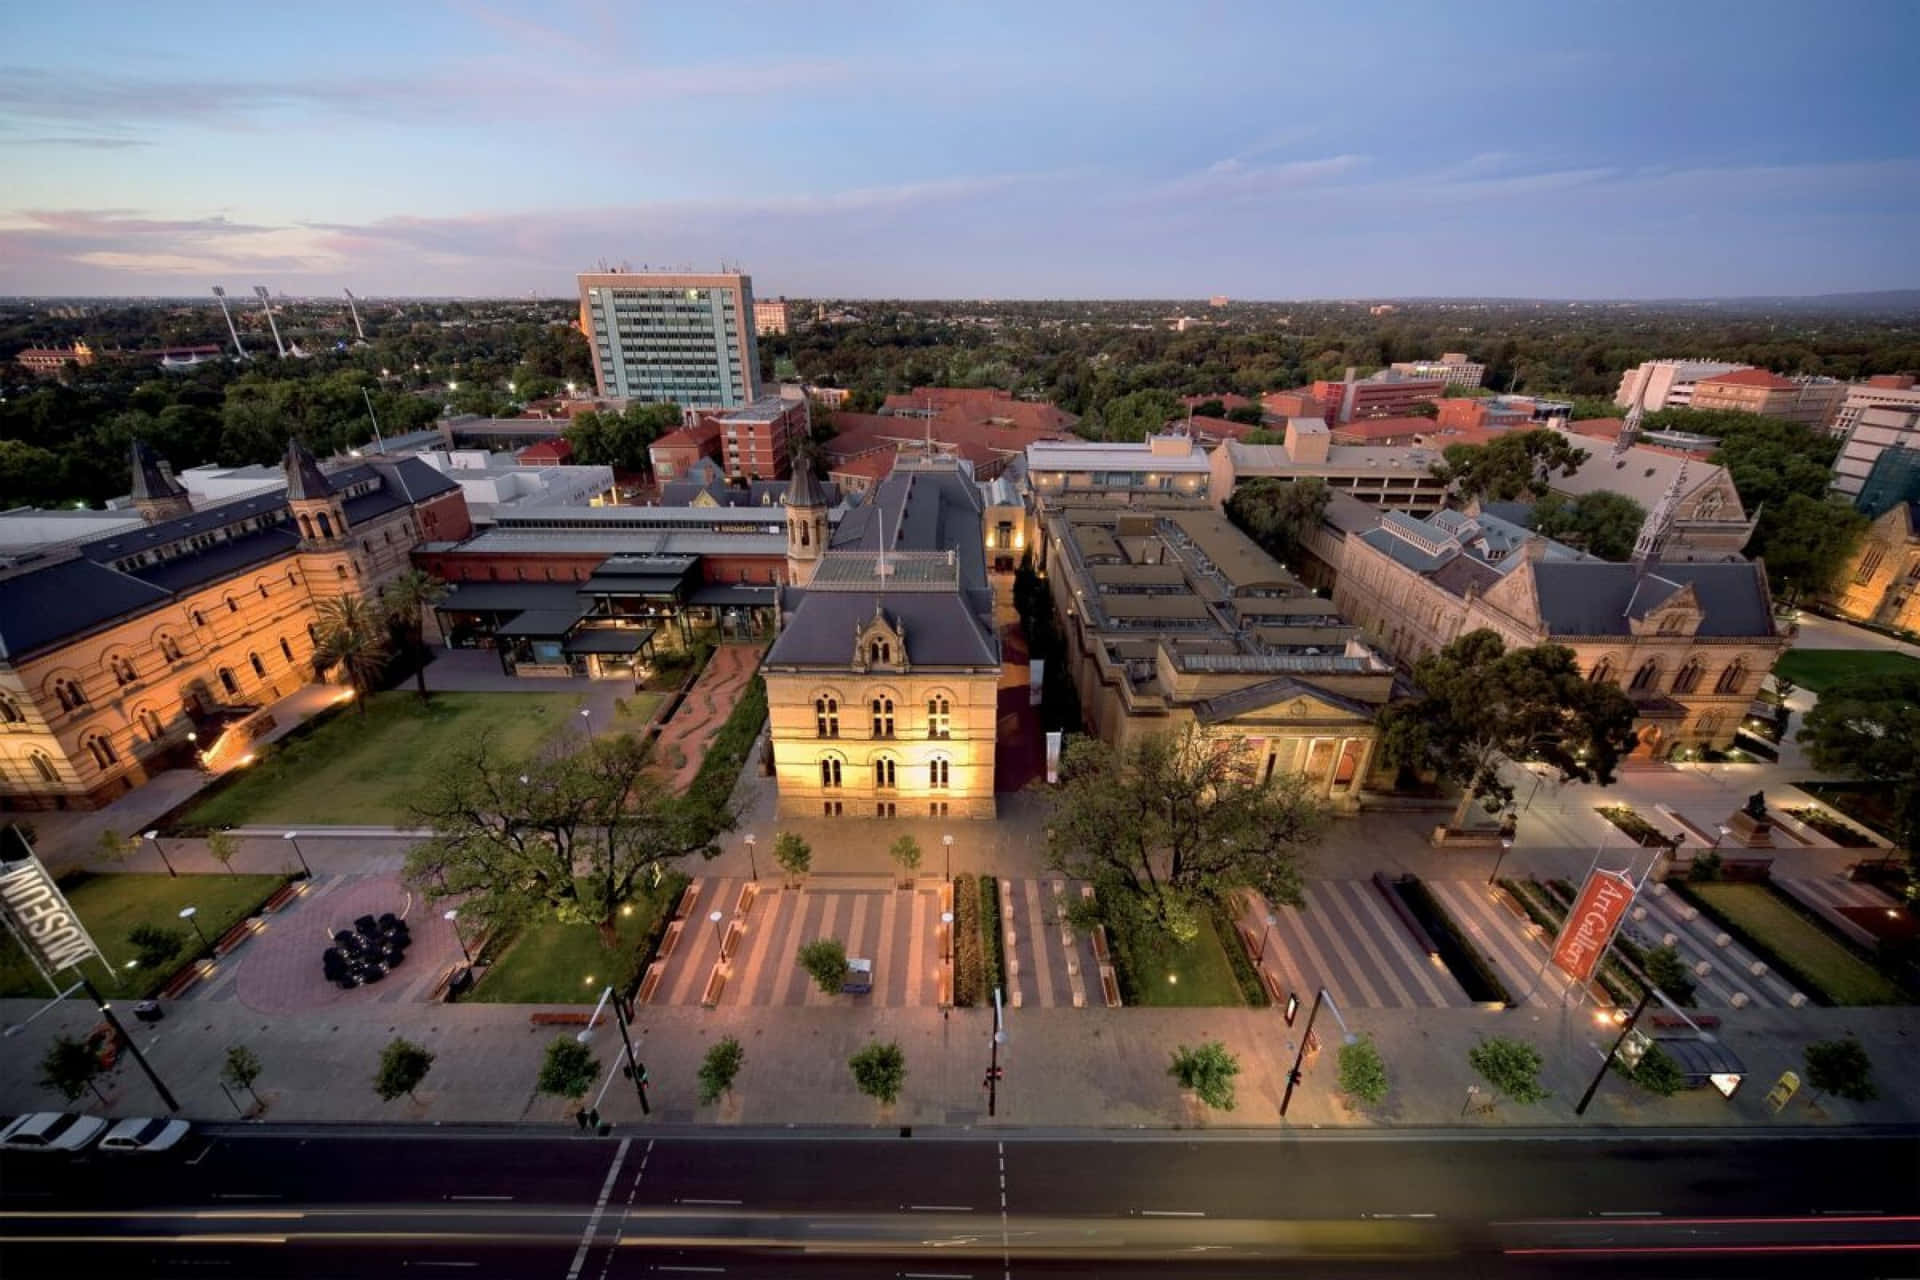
(153, 838)
(718, 936)
(993, 1062)
(188, 914)
(1506, 847)
(1320, 997)
(947, 843)
(1260, 952)
(293, 838)
(587, 715)
(946, 921)
(1626, 1029)
(121, 1037)
(636, 1070)
(452, 917)
(753, 864)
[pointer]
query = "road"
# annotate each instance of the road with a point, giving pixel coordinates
(247, 1201)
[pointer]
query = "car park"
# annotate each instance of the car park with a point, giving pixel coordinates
(144, 1133)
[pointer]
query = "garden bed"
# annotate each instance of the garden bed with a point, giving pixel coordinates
(1832, 828)
(1463, 959)
(993, 960)
(1637, 828)
(547, 962)
(1791, 944)
(969, 968)
(1245, 971)
(1153, 969)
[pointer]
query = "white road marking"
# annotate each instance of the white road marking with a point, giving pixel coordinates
(600, 1207)
(479, 1197)
(934, 1208)
(1172, 1213)
(1397, 1215)
(1006, 1249)
(691, 1201)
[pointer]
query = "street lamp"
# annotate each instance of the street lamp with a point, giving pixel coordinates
(452, 917)
(1506, 847)
(1260, 953)
(188, 914)
(587, 715)
(752, 864)
(718, 936)
(636, 1070)
(153, 838)
(1320, 997)
(946, 921)
(947, 842)
(1723, 832)
(293, 838)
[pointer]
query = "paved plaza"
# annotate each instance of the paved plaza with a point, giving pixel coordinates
(1347, 939)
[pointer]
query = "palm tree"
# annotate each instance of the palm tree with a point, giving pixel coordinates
(354, 638)
(405, 602)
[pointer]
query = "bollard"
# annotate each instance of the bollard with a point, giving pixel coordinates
(1702, 969)
(1739, 1000)
(1796, 1000)
(1758, 968)
(1721, 939)
(1669, 939)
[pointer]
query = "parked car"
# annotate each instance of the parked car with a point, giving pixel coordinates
(50, 1131)
(144, 1133)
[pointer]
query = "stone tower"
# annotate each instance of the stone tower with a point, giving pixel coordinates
(157, 495)
(319, 513)
(806, 525)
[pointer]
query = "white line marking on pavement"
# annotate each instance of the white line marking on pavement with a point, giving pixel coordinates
(933, 1208)
(204, 1153)
(691, 1201)
(479, 1197)
(600, 1207)
(1629, 1213)
(1396, 1215)
(1172, 1213)
(634, 1190)
(1006, 1249)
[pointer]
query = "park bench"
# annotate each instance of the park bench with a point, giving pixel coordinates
(567, 1018)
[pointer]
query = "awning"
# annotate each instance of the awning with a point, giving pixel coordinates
(509, 597)
(610, 640)
(1704, 1061)
(539, 624)
(631, 584)
(736, 597)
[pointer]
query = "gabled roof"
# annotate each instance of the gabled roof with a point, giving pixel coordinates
(941, 629)
(804, 489)
(1258, 697)
(1595, 598)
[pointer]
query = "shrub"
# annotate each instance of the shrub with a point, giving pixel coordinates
(1245, 973)
(906, 852)
(1840, 1067)
(794, 855)
(718, 1068)
(1363, 1074)
(241, 1069)
(879, 1070)
(826, 960)
(568, 1070)
(403, 1065)
(993, 963)
(1656, 1072)
(154, 946)
(1667, 971)
(71, 1067)
(1207, 1069)
(968, 967)
(1511, 1066)
(712, 785)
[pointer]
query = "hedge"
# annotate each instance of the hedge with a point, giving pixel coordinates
(726, 756)
(663, 896)
(993, 962)
(1620, 981)
(1234, 943)
(968, 967)
(1470, 967)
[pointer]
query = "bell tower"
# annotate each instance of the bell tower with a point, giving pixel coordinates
(157, 495)
(319, 514)
(806, 525)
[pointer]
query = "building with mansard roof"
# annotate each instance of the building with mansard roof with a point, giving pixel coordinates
(123, 653)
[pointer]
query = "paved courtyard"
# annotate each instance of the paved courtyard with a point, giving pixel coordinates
(1048, 963)
(1348, 940)
(706, 708)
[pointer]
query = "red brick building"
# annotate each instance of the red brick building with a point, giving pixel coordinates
(1375, 397)
(674, 454)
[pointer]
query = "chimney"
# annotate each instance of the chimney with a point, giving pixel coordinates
(1535, 547)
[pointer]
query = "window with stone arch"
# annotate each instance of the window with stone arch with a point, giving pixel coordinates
(1687, 679)
(233, 606)
(259, 667)
(104, 756)
(169, 647)
(1647, 675)
(43, 765)
(123, 669)
(69, 694)
(286, 650)
(883, 717)
(832, 770)
(1602, 671)
(10, 711)
(879, 652)
(826, 716)
(151, 724)
(228, 683)
(886, 772)
(306, 525)
(939, 773)
(1733, 678)
(1707, 726)
(939, 716)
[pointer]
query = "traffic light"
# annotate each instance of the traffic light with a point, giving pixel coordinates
(1295, 1076)
(993, 1074)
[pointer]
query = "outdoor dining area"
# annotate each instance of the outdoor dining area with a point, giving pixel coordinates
(367, 952)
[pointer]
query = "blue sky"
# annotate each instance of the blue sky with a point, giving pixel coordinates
(1276, 150)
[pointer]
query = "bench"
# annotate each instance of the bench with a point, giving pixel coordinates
(568, 1018)
(1109, 987)
(688, 897)
(234, 937)
(1669, 1021)
(651, 983)
(715, 985)
(181, 981)
(282, 896)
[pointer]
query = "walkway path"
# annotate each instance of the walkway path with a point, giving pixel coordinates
(1348, 940)
(1838, 901)
(706, 708)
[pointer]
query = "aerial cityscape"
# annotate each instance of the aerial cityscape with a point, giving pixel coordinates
(1072, 641)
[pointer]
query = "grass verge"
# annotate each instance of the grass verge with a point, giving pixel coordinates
(1793, 946)
(1154, 969)
(968, 970)
(1245, 973)
(547, 962)
(1821, 669)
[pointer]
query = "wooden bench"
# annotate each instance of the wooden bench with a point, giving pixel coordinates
(651, 983)
(233, 937)
(181, 981)
(568, 1018)
(1109, 986)
(284, 895)
(688, 896)
(1669, 1021)
(715, 985)
(670, 939)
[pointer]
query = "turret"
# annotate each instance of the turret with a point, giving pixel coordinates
(806, 525)
(157, 495)
(319, 513)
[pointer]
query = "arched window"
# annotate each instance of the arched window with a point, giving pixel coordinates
(123, 670)
(939, 716)
(1671, 624)
(340, 572)
(806, 536)
(259, 667)
(1733, 678)
(199, 618)
(263, 590)
(879, 651)
(830, 772)
(1648, 673)
(306, 525)
(150, 721)
(232, 607)
(313, 635)
(884, 773)
(939, 769)
(1602, 671)
(102, 752)
(10, 711)
(69, 694)
(169, 648)
(826, 717)
(286, 650)
(326, 525)
(883, 717)
(227, 681)
(1870, 562)
(1708, 726)
(1688, 678)
(43, 765)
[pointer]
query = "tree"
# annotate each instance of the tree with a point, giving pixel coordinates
(621, 440)
(718, 1069)
(115, 847)
(1214, 408)
(155, 946)
(584, 834)
(1514, 465)
(72, 1067)
(404, 602)
(568, 1070)
(1178, 818)
(826, 960)
(1208, 1070)
(1138, 415)
(879, 1070)
(222, 845)
(1807, 542)
(352, 637)
(1601, 523)
(1656, 1072)
(1481, 703)
(1511, 1066)
(1869, 727)
(906, 852)
(1251, 415)
(1280, 514)
(1668, 972)
(403, 1065)
(1840, 1067)
(240, 1069)
(1363, 1074)
(794, 855)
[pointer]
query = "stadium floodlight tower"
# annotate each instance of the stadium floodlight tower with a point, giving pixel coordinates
(352, 307)
(260, 292)
(239, 352)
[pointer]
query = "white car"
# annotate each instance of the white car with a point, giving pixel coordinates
(50, 1131)
(144, 1134)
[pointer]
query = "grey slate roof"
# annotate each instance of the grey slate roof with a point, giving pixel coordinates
(916, 509)
(304, 477)
(1594, 598)
(50, 602)
(804, 489)
(941, 630)
(230, 555)
(149, 481)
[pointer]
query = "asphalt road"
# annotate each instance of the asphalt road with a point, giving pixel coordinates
(249, 1201)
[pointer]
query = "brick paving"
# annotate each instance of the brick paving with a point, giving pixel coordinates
(706, 707)
(1512, 944)
(1833, 898)
(1049, 964)
(1729, 969)
(1348, 940)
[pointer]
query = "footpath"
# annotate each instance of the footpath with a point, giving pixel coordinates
(1064, 1067)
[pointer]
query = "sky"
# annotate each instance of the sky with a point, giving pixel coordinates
(980, 150)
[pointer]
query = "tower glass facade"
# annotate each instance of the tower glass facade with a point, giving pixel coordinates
(685, 339)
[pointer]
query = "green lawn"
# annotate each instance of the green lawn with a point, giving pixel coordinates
(112, 905)
(1841, 975)
(363, 769)
(1169, 975)
(553, 963)
(636, 710)
(1820, 669)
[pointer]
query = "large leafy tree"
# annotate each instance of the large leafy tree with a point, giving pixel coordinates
(1869, 727)
(620, 439)
(352, 636)
(1518, 464)
(1807, 543)
(1138, 414)
(1179, 818)
(1279, 514)
(405, 601)
(1601, 523)
(576, 835)
(1481, 703)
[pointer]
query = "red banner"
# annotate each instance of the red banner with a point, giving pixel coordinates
(1602, 904)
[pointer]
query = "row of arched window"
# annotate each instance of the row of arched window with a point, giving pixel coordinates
(1646, 678)
(826, 716)
(886, 773)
